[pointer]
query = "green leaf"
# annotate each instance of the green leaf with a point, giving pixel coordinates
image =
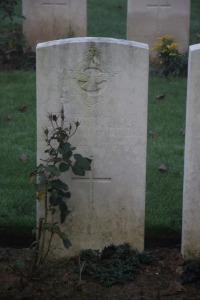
(55, 159)
(54, 201)
(78, 156)
(64, 211)
(78, 170)
(65, 239)
(64, 148)
(63, 167)
(61, 150)
(50, 151)
(59, 185)
(40, 168)
(55, 193)
(66, 242)
(49, 186)
(56, 229)
(53, 170)
(83, 162)
(66, 157)
(81, 165)
(47, 226)
(63, 194)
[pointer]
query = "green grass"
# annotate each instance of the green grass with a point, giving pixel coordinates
(164, 189)
(17, 131)
(167, 117)
(107, 18)
(194, 23)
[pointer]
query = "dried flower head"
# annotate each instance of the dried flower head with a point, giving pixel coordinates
(77, 123)
(62, 116)
(46, 131)
(54, 118)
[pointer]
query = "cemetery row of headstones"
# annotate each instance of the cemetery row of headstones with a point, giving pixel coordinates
(147, 20)
(103, 83)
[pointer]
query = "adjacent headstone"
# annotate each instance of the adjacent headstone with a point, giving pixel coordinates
(191, 191)
(47, 20)
(149, 19)
(102, 83)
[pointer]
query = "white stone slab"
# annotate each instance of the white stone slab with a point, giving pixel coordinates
(191, 191)
(47, 20)
(102, 83)
(149, 19)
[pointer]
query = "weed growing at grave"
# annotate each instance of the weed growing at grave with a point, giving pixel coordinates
(49, 186)
(196, 38)
(12, 39)
(114, 265)
(13, 49)
(8, 6)
(168, 58)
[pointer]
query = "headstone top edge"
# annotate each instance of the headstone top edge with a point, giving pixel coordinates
(194, 47)
(92, 39)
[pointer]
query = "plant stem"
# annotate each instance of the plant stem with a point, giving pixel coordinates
(42, 234)
(81, 268)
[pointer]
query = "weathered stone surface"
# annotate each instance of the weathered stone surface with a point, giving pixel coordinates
(191, 191)
(103, 84)
(47, 20)
(149, 19)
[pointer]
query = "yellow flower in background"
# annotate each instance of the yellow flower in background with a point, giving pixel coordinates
(167, 59)
(165, 44)
(157, 46)
(172, 46)
(166, 37)
(167, 53)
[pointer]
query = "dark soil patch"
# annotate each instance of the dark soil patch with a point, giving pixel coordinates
(158, 281)
(16, 239)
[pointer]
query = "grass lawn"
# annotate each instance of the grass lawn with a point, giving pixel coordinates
(164, 189)
(107, 18)
(17, 130)
(166, 117)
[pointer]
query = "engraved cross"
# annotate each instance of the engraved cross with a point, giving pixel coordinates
(54, 2)
(91, 179)
(159, 7)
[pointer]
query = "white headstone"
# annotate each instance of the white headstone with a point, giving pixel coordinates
(47, 20)
(149, 19)
(103, 83)
(191, 191)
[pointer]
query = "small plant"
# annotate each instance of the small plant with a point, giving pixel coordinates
(13, 50)
(195, 38)
(50, 188)
(168, 58)
(8, 7)
(12, 39)
(114, 265)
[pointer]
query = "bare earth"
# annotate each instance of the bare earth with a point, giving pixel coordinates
(158, 281)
